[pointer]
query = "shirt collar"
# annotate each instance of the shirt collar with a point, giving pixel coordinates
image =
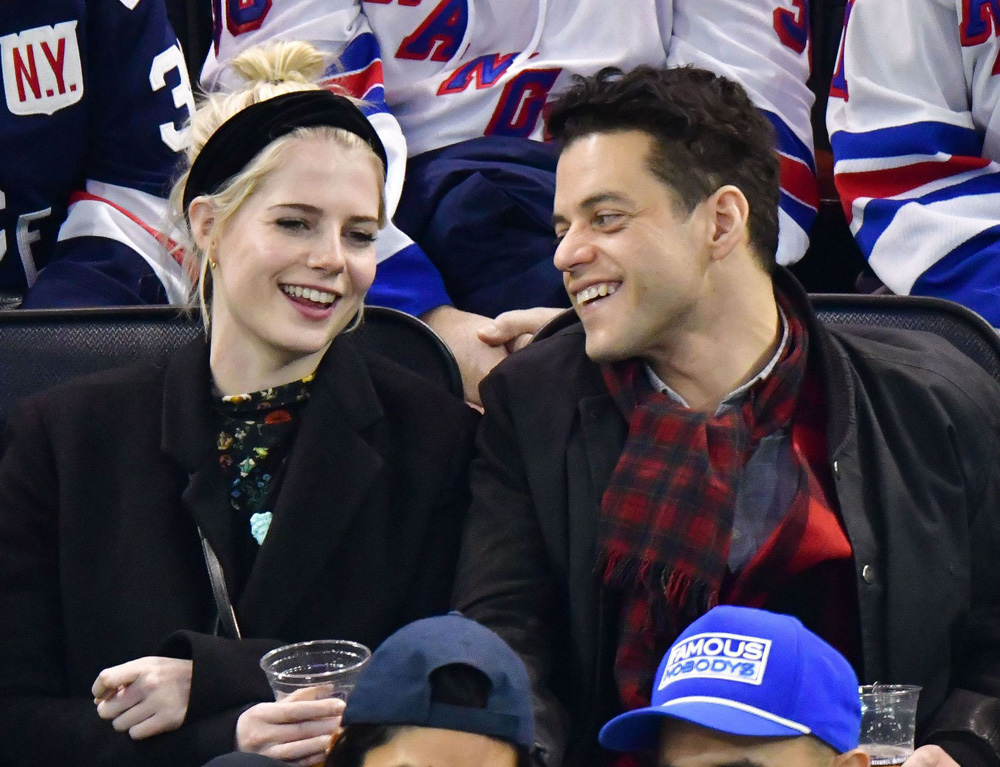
(736, 396)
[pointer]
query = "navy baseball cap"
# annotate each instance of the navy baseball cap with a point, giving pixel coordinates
(747, 672)
(395, 687)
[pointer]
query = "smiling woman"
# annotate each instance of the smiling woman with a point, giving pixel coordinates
(321, 485)
(290, 268)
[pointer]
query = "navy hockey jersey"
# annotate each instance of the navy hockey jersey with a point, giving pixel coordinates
(95, 98)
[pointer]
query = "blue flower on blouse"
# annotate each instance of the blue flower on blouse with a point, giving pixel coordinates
(259, 524)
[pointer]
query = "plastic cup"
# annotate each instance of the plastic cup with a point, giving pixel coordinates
(332, 665)
(888, 722)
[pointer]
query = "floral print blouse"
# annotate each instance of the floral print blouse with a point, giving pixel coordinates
(256, 432)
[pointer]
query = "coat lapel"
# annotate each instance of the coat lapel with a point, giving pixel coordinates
(189, 439)
(604, 433)
(326, 483)
(590, 464)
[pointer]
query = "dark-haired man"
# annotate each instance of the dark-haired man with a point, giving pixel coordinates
(699, 437)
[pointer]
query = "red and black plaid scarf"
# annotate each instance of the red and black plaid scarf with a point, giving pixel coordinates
(667, 513)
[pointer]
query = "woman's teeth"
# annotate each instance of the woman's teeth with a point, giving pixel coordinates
(310, 294)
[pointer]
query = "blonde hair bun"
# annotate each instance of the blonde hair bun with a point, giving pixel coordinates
(280, 62)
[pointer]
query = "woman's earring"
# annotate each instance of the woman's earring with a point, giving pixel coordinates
(212, 263)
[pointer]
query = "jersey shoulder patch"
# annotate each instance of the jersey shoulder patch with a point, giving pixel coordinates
(42, 72)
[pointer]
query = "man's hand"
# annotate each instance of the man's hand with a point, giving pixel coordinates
(297, 729)
(930, 756)
(515, 329)
(460, 330)
(144, 697)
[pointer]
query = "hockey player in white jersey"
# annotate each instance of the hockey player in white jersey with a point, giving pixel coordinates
(460, 86)
(915, 127)
(96, 95)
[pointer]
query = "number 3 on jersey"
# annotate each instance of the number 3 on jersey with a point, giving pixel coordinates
(793, 26)
(173, 60)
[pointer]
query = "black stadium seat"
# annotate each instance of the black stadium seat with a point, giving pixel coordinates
(962, 327)
(40, 348)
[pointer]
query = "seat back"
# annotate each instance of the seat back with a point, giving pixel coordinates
(962, 327)
(40, 348)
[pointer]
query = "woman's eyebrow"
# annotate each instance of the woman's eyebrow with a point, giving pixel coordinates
(300, 206)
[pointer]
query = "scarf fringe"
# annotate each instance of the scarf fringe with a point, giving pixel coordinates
(675, 599)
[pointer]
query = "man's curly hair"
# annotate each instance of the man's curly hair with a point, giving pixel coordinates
(706, 133)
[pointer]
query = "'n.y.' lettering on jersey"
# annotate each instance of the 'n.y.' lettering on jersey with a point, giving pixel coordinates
(41, 69)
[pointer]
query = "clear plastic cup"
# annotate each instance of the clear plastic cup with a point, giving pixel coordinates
(888, 722)
(332, 665)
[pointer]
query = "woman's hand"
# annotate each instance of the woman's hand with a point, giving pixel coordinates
(297, 729)
(144, 697)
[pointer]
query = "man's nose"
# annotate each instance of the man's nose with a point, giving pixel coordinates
(573, 250)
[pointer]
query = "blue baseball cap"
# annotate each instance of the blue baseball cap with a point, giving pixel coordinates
(395, 686)
(747, 672)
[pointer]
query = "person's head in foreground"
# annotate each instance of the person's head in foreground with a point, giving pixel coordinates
(282, 200)
(666, 208)
(440, 692)
(750, 688)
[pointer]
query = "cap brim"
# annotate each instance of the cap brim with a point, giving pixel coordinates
(639, 730)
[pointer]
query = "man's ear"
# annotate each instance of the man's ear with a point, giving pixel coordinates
(201, 214)
(854, 758)
(730, 215)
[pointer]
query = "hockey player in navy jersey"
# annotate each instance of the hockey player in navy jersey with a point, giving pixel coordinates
(465, 82)
(96, 95)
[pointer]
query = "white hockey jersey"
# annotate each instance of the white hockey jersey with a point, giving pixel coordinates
(914, 120)
(460, 69)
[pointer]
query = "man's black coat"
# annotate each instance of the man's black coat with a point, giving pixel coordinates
(913, 438)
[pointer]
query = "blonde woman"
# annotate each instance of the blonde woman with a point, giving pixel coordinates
(328, 484)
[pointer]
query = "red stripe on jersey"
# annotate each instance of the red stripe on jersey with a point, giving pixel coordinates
(172, 247)
(358, 83)
(892, 181)
(798, 180)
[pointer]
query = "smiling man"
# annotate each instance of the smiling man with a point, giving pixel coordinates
(699, 438)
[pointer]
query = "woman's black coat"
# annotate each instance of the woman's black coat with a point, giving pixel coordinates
(103, 486)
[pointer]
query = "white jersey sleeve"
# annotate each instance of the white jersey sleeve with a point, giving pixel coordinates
(764, 45)
(915, 143)
(339, 28)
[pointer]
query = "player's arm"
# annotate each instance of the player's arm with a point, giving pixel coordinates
(922, 200)
(764, 45)
(110, 249)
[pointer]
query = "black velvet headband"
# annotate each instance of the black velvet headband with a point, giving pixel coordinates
(238, 140)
